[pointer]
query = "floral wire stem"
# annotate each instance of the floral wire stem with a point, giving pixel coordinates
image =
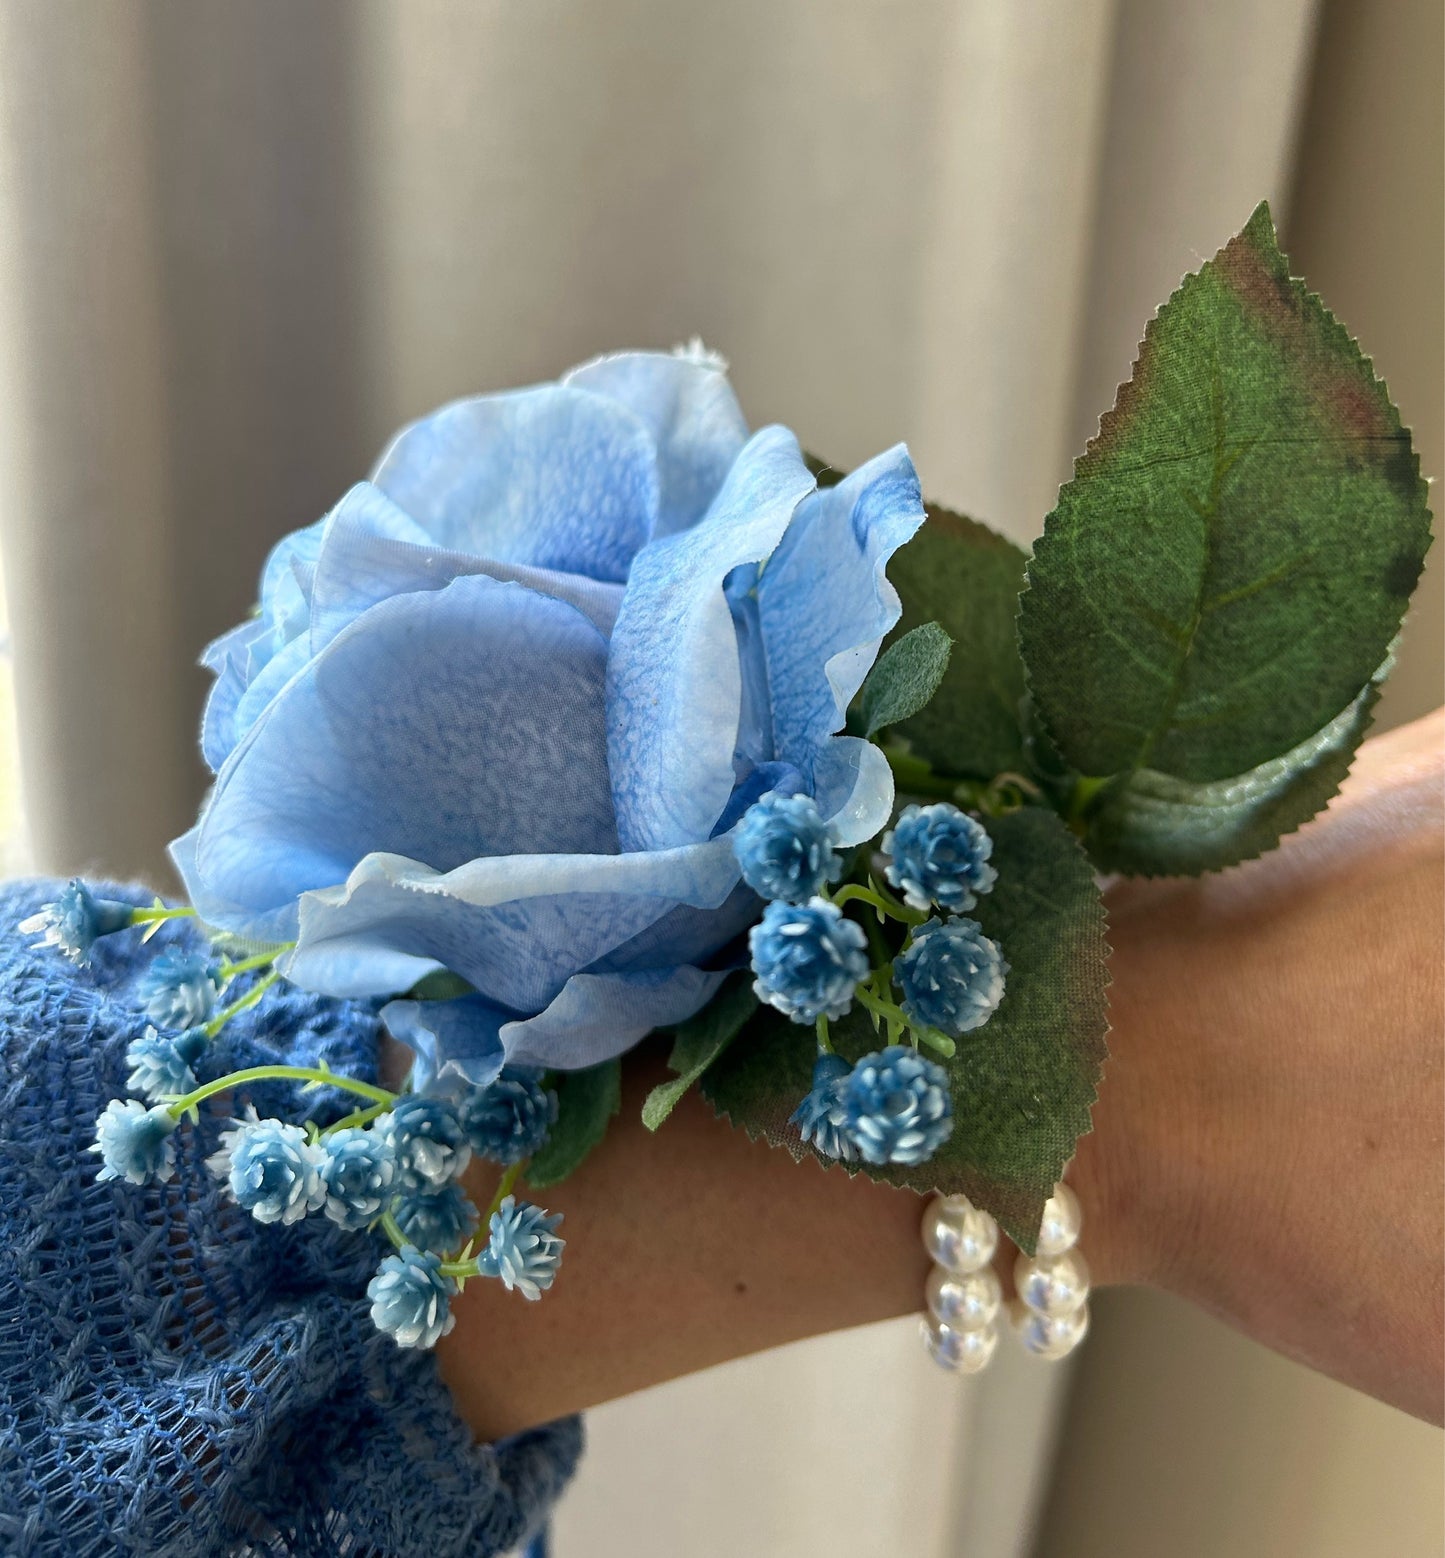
(898, 1024)
(158, 912)
(157, 915)
(875, 1003)
(994, 797)
(319, 1077)
(939, 1043)
(460, 1270)
(254, 994)
(918, 778)
(465, 1266)
(229, 971)
(1010, 791)
(358, 1117)
(1081, 797)
(882, 953)
(504, 1187)
(881, 899)
(890, 1014)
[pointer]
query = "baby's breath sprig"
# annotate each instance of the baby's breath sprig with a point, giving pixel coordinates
(312, 1076)
(809, 961)
(77, 919)
(412, 1291)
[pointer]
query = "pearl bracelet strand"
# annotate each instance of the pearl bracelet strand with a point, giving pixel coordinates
(1050, 1316)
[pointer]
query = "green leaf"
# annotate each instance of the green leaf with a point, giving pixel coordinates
(960, 574)
(905, 677)
(1157, 825)
(698, 1043)
(1232, 558)
(441, 985)
(824, 474)
(1023, 1085)
(586, 1101)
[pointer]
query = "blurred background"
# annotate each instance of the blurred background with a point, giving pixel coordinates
(240, 243)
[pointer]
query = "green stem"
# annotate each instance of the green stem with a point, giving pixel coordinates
(880, 899)
(877, 945)
(157, 913)
(1020, 782)
(392, 1229)
(229, 971)
(280, 1074)
(254, 994)
(156, 916)
(504, 1189)
(897, 1021)
(356, 1118)
(939, 1042)
(917, 777)
(1081, 797)
(460, 1271)
(824, 1042)
(885, 1009)
(1003, 793)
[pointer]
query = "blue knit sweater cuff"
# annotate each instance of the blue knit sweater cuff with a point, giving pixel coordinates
(176, 1379)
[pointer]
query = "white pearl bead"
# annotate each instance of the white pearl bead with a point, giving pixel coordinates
(957, 1235)
(1059, 1230)
(962, 1352)
(1049, 1336)
(1052, 1287)
(965, 1303)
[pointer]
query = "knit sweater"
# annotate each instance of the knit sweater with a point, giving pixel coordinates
(178, 1380)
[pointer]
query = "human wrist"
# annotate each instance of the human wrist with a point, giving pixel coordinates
(1141, 1176)
(687, 1247)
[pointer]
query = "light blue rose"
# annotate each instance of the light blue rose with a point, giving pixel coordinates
(500, 711)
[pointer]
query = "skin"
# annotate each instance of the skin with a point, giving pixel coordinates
(1267, 1144)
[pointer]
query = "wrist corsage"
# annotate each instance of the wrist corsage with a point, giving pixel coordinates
(593, 714)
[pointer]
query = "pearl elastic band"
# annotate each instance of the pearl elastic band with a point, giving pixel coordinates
(1050, 1316)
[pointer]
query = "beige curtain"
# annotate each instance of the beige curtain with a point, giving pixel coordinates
(240, 243)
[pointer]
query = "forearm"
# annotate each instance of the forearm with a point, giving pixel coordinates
(1272, 1112)
(684, 1249)
(1267, 1144)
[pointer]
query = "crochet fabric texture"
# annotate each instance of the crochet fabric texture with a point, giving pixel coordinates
(176, 1379)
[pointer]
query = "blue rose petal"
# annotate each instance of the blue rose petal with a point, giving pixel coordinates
(554, 476)
(501, 709)
(825, 602)
(674, 681)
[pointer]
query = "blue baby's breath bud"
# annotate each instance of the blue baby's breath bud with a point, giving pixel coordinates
(161, 1064)
(437, 1219)
(410, 1299)
(785, 848)
(135, 1142)
(509, 1120)
(951, 976)
(75, 921)
(179, 989)
(822, 1117)
(523, 1250)
(808, 959)
(898, 1106)
(427, 1137)
(940, 856)
(273, 1171)
(358, 1173)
